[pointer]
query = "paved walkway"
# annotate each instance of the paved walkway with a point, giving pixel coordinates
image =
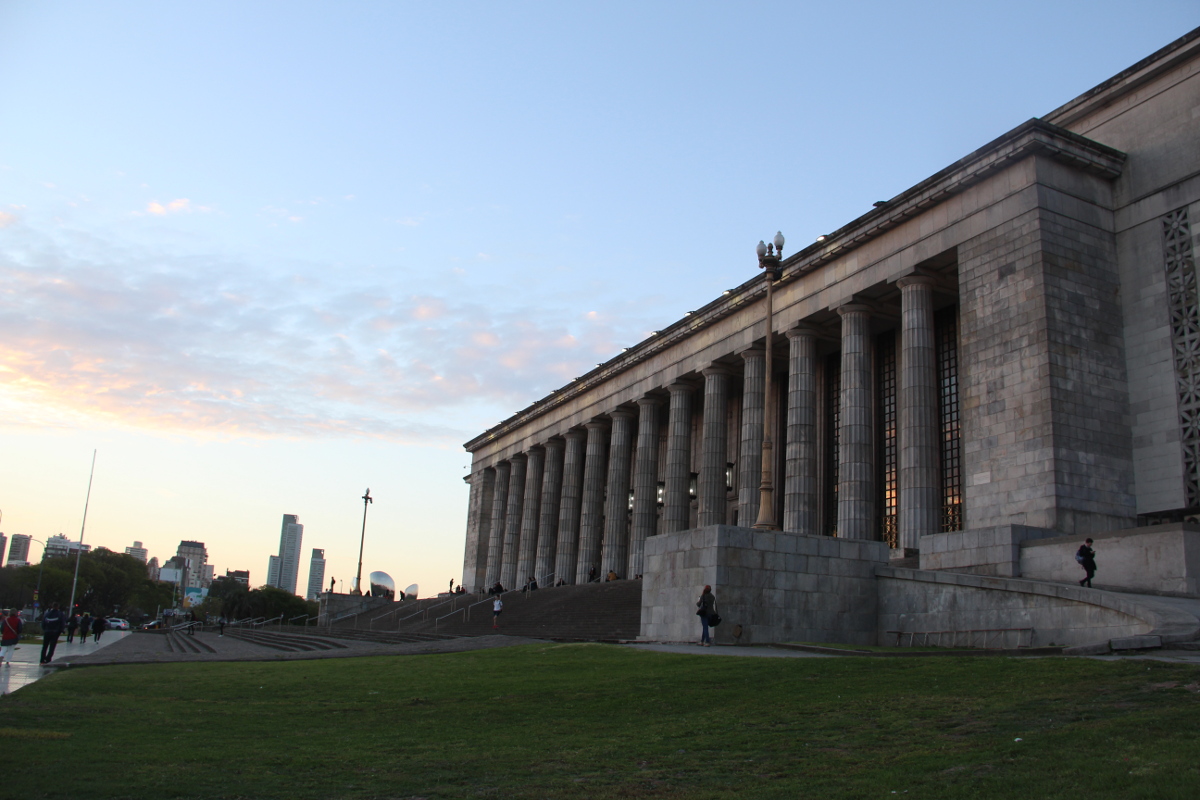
(25, 668)
(745, 652)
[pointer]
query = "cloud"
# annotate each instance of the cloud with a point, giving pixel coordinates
(99, 330)
(7, 219)
(182, 205)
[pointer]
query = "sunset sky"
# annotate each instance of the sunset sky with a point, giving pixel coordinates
(262, 256)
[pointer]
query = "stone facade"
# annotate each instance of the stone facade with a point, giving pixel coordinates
(1007, 352)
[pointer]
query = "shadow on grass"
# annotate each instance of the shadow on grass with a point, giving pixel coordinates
(601, 721)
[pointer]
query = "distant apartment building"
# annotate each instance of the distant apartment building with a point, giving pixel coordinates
(206, 577)
(174, 570)
(18, 550)
(152, 569)
(58, 546)
(138, 552)
(3, 542)
(283, 570)
(242, 576)
(316, 574)
(196, 557)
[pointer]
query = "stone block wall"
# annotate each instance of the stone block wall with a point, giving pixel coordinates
(921, 601)
(1158, 559)
(777, 586)
(983, 551)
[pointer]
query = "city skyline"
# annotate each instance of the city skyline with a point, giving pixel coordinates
(263, 280)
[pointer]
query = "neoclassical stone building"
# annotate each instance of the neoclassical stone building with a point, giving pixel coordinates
(1008, 351)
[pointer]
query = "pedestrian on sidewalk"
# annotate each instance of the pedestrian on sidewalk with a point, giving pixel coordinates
(10, 634)
(221, 625)
(1086, 557)
(72, 624)
(497, 607)
(85, 627)
(706, 606)
(52, 626)
(99, 623)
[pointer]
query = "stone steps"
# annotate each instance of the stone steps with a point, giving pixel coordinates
(591, 612)
(290, 643)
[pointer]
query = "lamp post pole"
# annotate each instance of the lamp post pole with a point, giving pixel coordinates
(367, 500)
(769, 256)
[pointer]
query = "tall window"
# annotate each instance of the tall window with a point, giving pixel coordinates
(946, 332)
(833, 395)
(885, 436)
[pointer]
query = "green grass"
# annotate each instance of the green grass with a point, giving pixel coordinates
(608, 722)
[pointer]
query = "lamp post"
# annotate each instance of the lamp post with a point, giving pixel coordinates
(37, 591)
(769, 256)
(367, 500)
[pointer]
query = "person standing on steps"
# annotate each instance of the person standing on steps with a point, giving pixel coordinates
(706, 606)
(497, 607)
(1086, 557)
(10, 634)
(52, 626)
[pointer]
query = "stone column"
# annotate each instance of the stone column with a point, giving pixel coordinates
(715, 446)
(645, 485)
(479, 528)
(856, 463)
(499, 510)
(591, 522)
(616, 505)
(750, 453)
(548, 525)
(801, 469)
(676, 503)
(531, 515)
(566, 556)
(920, 479)
(512, 522)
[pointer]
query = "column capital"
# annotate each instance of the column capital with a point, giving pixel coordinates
(540, 447)
(681, 387)
(916, 280)
(648, 401)
(555, 443)
(622, 413)
(516, 456)
(853, 308)
(803, 329)
(716, 370)
(752, 352)
(575, 433)
(596, 424)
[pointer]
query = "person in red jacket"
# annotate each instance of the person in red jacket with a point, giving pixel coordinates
(10, 634)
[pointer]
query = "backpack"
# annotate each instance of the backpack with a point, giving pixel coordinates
(1079, 558)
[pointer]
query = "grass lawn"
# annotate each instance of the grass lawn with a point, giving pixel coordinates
(601, 721)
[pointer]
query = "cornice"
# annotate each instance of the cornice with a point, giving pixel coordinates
(1034, 137)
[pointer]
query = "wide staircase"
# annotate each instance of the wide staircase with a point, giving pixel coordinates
(594, 612)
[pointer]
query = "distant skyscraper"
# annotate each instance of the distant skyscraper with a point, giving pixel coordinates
(197, 558)
(18, 550)
(138, 552)
(58, 546)
(242, 576)
(152, 569)
(284, 569)
(3, 542)
(316, 574)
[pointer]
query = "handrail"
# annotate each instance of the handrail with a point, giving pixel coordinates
(424, 611)
(542, 584)
(398, 607)
(299, 616)
(954, 634)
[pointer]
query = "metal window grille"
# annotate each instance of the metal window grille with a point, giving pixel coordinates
(946, 333)
(1184, 303)
(833, 393)
(888, 461)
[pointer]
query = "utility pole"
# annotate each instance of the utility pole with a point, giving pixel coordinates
(367, 500)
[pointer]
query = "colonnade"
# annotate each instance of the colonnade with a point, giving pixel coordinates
(562, 510)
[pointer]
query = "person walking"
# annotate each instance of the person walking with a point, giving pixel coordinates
(85, 627)
(1086, 557)
(52, 625)
(72, 624)
(10, 634)
(497, 607)
(706, 606)
(99, 623)
(221, 625)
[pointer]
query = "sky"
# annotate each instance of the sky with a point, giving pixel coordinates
(263, 256)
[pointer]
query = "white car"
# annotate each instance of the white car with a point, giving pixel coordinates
(118, 624)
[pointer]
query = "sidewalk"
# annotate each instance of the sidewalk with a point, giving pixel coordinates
(25, 668)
